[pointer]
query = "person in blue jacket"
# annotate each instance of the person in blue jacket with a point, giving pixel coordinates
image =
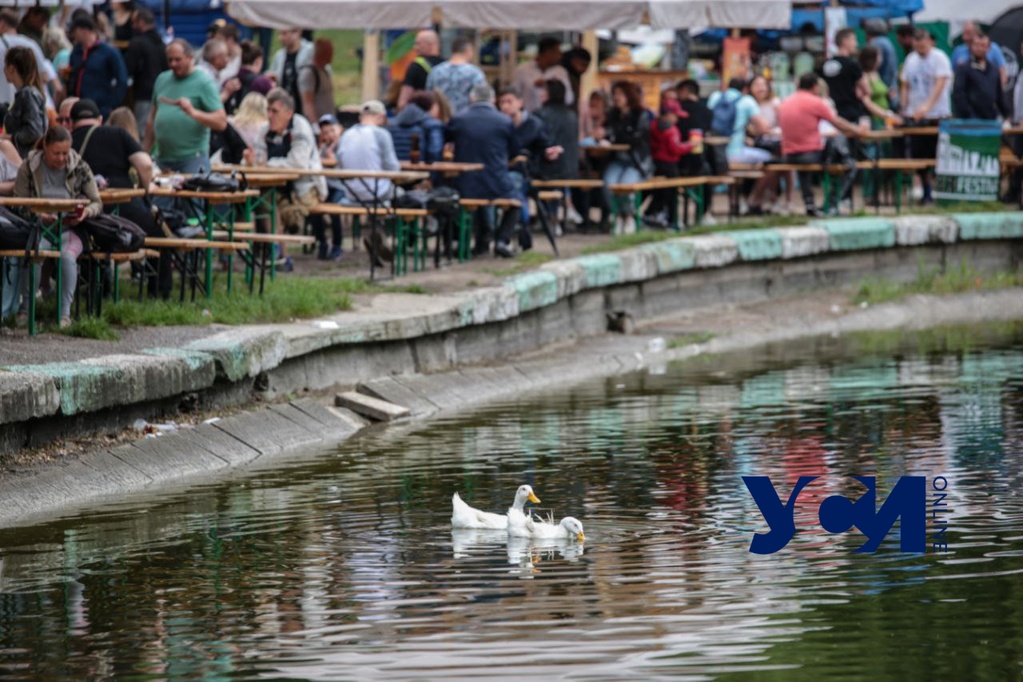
(97, 69)
(419, 117)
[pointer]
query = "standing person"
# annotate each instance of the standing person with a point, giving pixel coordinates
(456, 77)
(26, 120)
(56, 172)
(10, 39)
(576, 62)
(186, 106)
(288, 61)
(97, 69)
(316, 83)
(530, 77)
(697, 117)
(926, 87)
(877, 36)
(799, 118)
(229, 34)
(145, 59)
(214, 61)
(628, 122)
(482, 134)
(427, 48)
(249, 79)
(844, 77)
(121, 14)
(977, 92)
(33, 24)
(287, 140)
(963, 54)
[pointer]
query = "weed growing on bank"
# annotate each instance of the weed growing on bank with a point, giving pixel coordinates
(954, 280)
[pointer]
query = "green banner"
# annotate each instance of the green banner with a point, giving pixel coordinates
(968, 168)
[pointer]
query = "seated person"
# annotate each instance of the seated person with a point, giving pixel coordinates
(55, 171)
(667, 150)
(287, 141)
(419, 117)
(799, 118)
(482, 134)
(330, 135)
(118, 158)
(367, 146)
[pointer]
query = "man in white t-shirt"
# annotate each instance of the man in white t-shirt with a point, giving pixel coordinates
(926, 97)
(530, 77)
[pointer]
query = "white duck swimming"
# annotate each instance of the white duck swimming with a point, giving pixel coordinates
(522, 526)
(464, 516)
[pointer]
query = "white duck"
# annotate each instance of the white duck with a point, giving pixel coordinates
(520, 525)
(464, 516)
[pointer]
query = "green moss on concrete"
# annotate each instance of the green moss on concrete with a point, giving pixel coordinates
(672, 256)
(757, 244)
(854, 234)
(989, 225)
(534, 289)
(600, 270)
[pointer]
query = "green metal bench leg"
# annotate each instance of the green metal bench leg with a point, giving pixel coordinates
(32, 297)
(898, 192)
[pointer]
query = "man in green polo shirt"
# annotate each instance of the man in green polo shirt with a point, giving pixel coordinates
(186, 106)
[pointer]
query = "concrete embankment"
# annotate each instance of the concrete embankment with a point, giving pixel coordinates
(402, 338)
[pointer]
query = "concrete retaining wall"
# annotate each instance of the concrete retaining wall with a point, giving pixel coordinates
(559, 301)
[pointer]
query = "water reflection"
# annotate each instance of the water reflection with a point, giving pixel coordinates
(345, 566)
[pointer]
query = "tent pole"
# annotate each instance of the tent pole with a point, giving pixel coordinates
(370, 65)
(588, 81)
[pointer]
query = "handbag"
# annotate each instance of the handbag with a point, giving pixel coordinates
(216, 182)
(114, 234)
(16, 232)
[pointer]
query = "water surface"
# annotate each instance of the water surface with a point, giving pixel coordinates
(343, 566)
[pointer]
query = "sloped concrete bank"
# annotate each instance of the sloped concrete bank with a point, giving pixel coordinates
(240, 446)
(562, 300)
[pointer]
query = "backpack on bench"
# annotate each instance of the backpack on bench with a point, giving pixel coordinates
(114, 234)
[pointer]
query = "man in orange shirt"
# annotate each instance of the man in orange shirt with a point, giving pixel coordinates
(799, 118)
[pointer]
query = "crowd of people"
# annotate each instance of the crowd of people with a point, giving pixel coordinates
(79, 114)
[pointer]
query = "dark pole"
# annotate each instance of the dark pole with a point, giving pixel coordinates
(166, 14)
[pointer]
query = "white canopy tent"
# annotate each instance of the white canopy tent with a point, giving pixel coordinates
(530, 15)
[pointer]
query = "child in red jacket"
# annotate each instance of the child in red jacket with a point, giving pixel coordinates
(667, 149)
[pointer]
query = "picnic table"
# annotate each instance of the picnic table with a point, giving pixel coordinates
(207, 216)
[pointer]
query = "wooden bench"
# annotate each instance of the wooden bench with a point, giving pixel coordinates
(574, 183)
(681, 185)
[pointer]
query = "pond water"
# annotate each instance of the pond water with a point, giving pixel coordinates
(342, 565)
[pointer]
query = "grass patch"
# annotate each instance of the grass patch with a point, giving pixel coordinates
(286, 299)
(690, 339)
(627, 241)
(90, 328)
(524, 261)
(954, 280)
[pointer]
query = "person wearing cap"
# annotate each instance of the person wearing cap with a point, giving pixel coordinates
(112, 152)
(667, 150)
(287, 63)
(186, 106)
(286, 140)
(9, 39)
(368, 146)
(145, 59)
(97, 69)
(482, 134)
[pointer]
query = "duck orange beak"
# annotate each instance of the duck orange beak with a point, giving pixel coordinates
(579, 536)
(533, 498)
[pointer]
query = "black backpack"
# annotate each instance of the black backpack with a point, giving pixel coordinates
(16, 232)
(216, 182)
(114, 234)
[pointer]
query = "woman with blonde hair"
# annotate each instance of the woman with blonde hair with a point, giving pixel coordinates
(123, 117)
(250, 115)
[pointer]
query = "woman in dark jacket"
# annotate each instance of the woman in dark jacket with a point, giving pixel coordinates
(26, 119)
(628, 122)
(563, 130)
